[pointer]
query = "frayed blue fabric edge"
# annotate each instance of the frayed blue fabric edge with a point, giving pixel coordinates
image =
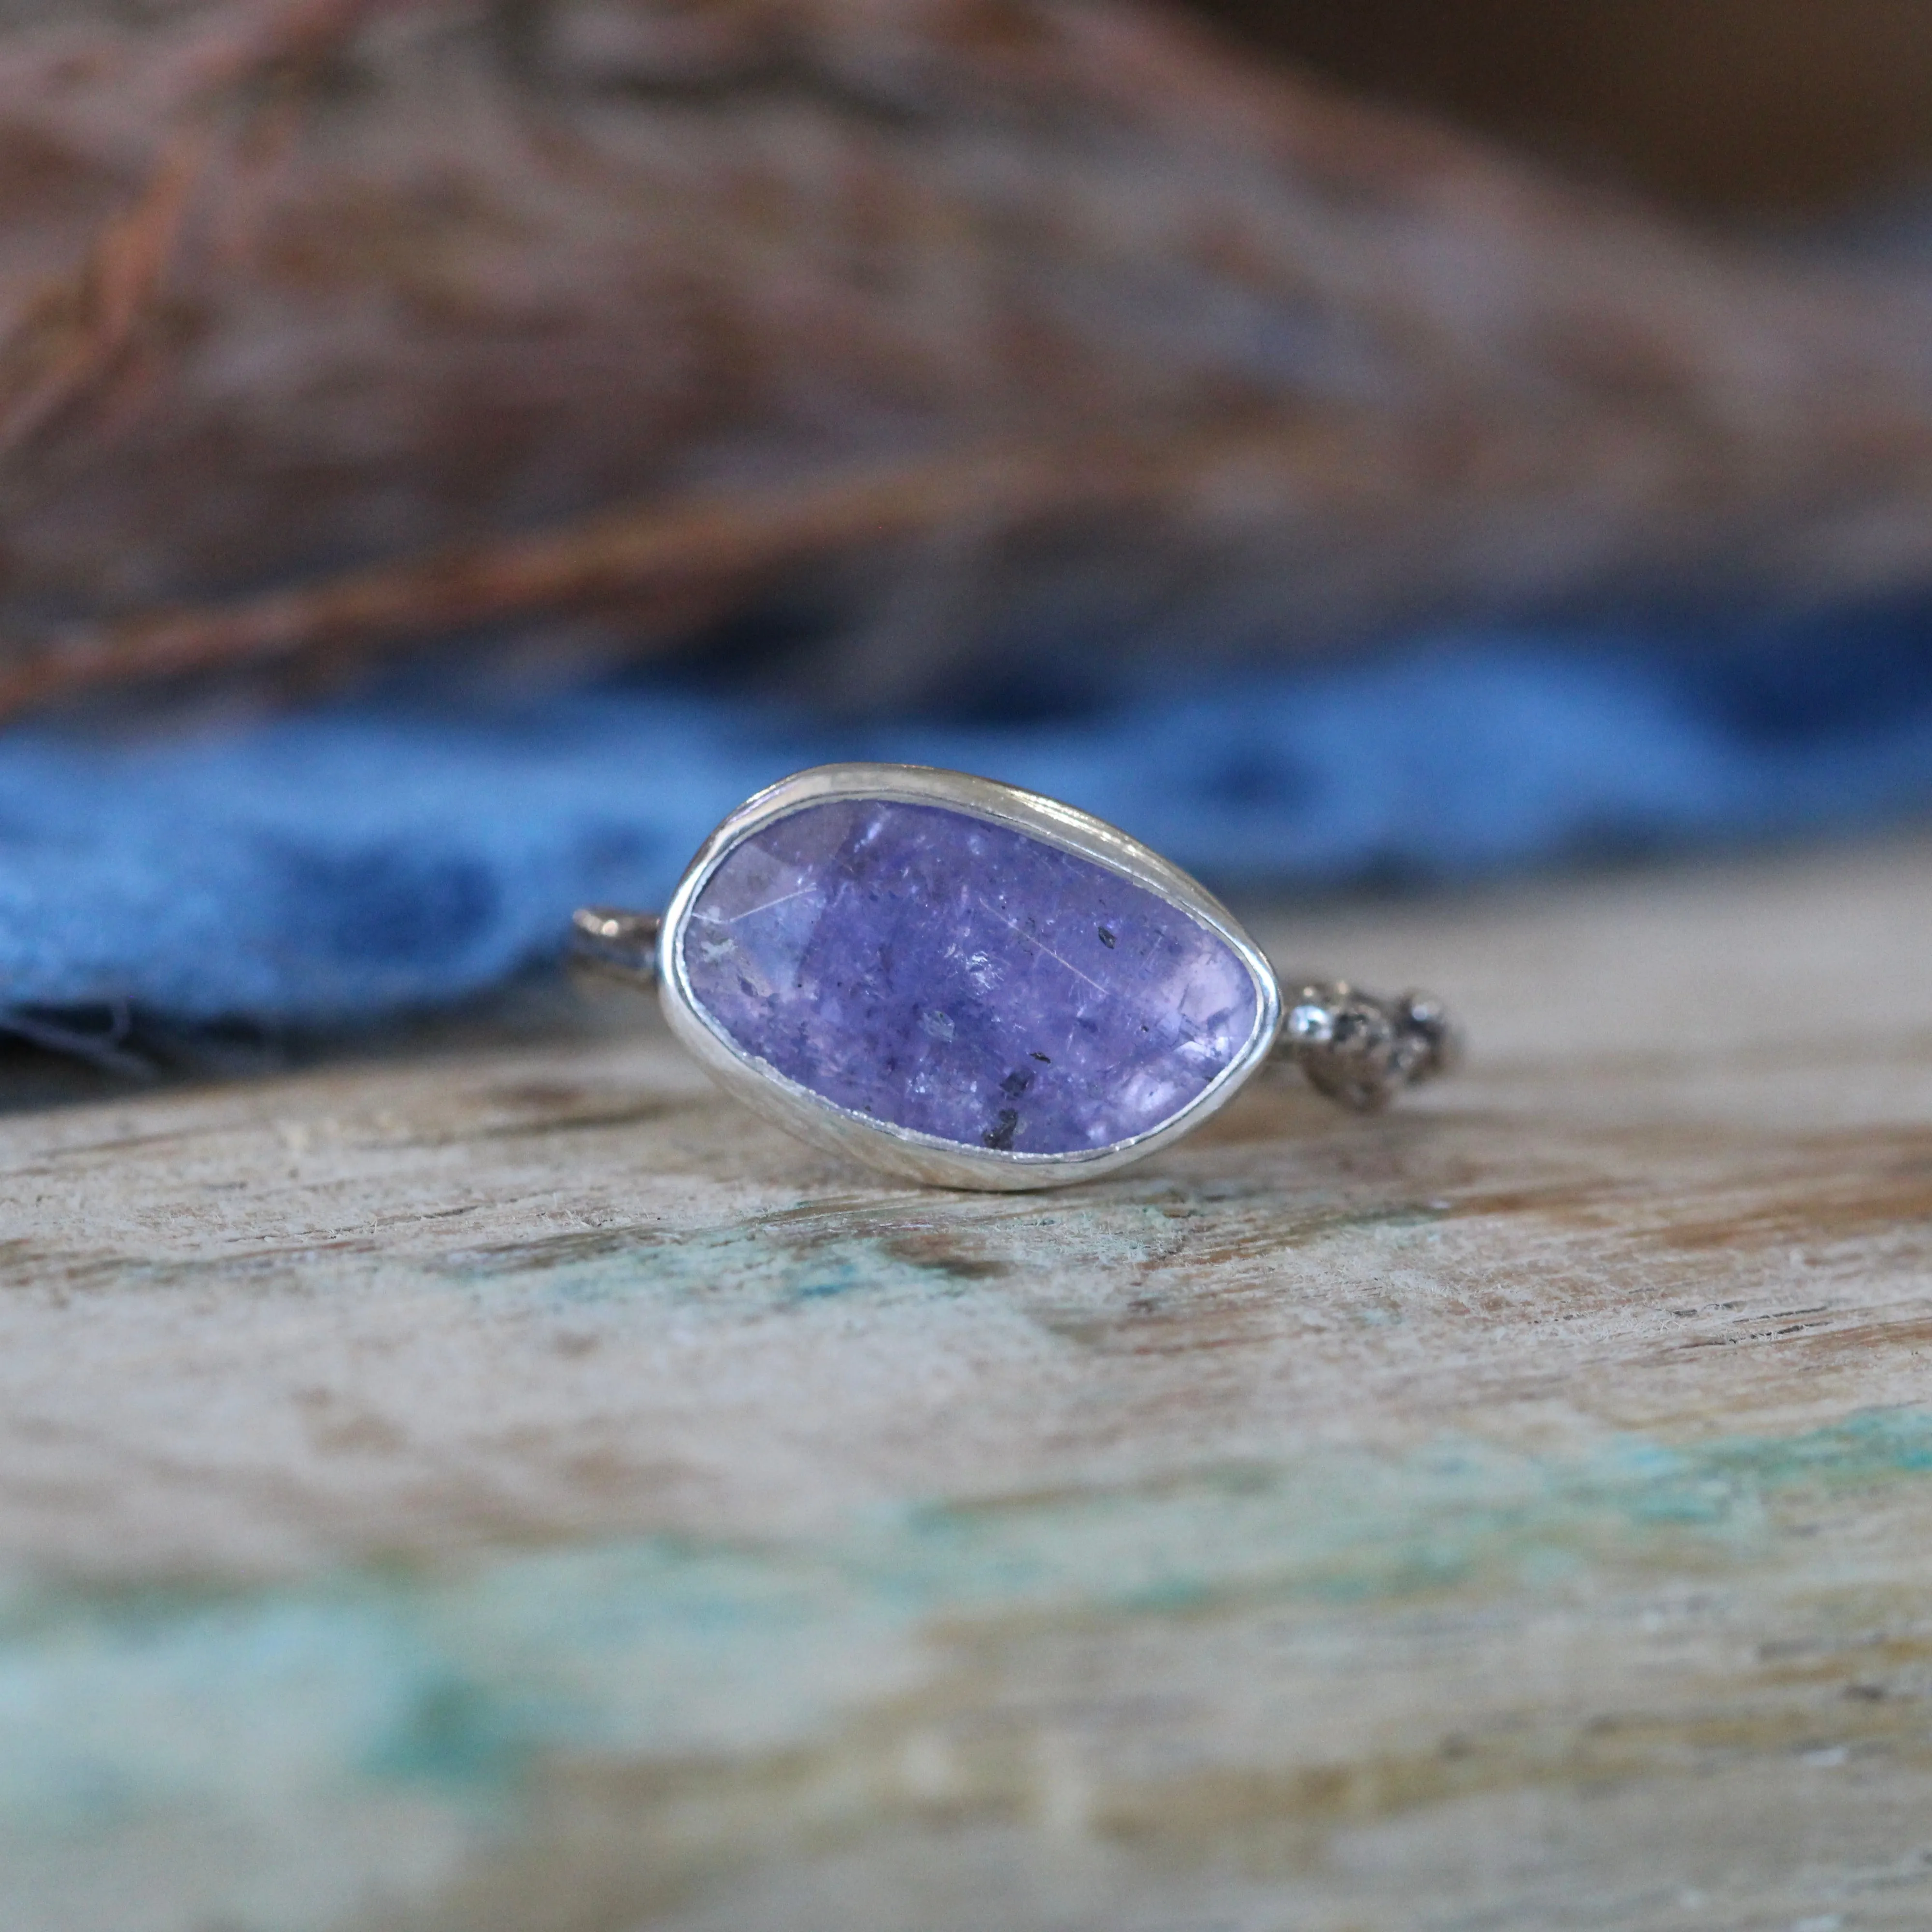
(401, 853)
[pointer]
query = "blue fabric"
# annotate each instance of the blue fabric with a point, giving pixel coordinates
(410, 850)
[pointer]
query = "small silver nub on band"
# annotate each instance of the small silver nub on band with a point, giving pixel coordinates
(1361, 1049)
(616, 944)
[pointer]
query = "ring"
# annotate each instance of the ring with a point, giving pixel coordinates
(954, 980)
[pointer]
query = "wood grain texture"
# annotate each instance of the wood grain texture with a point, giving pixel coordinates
(511, 1488)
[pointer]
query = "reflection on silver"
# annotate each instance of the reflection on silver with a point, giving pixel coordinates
(615, 944)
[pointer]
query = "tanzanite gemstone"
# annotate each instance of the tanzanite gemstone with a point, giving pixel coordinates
(942, 972)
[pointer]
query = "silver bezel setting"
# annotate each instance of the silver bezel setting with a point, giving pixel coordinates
(900, 1150)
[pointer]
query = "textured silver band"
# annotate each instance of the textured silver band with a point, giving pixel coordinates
(1360, 1048)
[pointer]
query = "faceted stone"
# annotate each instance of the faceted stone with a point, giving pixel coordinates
(962, 979)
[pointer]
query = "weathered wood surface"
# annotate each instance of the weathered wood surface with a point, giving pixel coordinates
(510, 1488)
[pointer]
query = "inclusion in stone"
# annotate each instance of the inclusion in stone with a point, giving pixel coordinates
(939, 972)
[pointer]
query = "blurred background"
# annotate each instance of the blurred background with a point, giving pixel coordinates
(1775, 110)
(451, 453)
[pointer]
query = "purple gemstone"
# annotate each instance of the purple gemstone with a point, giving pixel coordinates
(961, 979)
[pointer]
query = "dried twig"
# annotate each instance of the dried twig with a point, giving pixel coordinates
(77, 329)
(638, 555)
(1127, 334)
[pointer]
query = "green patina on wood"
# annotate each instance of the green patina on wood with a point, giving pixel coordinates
(477, 1690)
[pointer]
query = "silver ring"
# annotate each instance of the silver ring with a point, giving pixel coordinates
(954, 980)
